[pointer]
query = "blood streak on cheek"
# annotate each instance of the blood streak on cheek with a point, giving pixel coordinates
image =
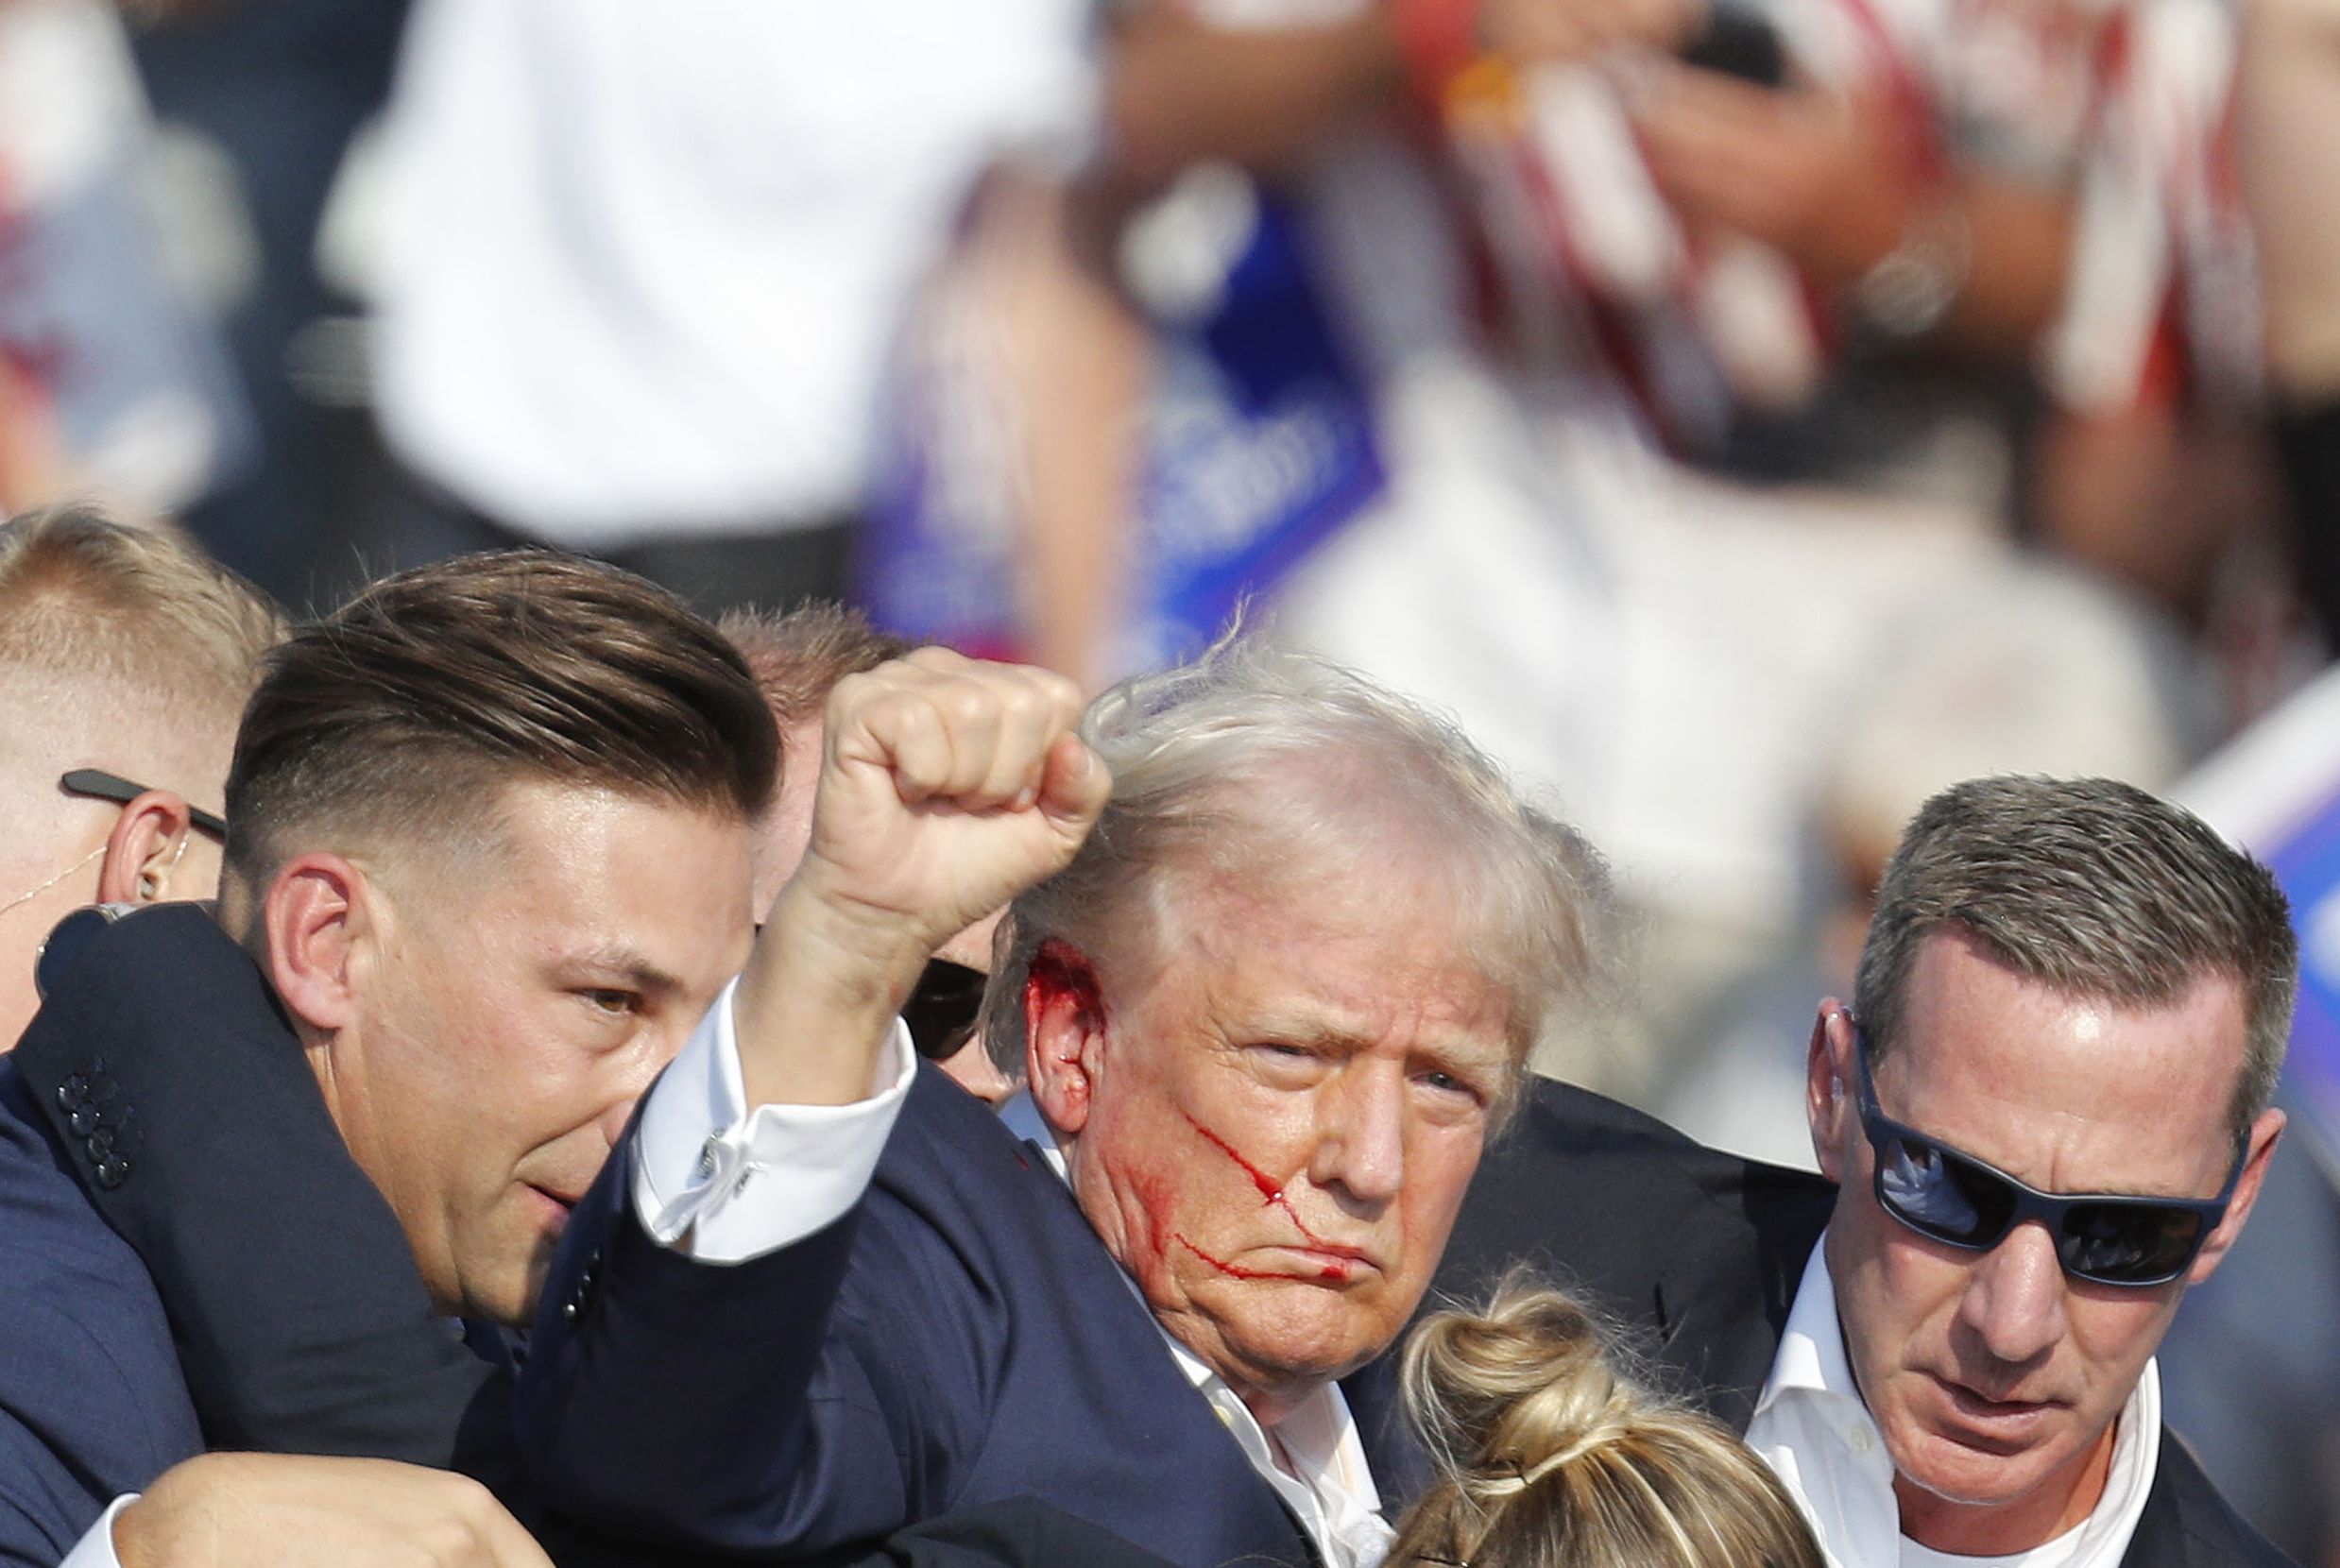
(1232, 1271)
(1269, 1188)
(1334, 1272)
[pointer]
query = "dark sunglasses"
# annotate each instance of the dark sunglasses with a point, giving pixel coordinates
(1955, 1198)
(941, 1012)
(99, 785)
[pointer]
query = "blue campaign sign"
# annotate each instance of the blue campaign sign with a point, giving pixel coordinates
(2308, 865)
(1262, 444)
(2277, 791)
(1258, 442)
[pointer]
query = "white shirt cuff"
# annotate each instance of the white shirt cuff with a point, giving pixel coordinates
(95, 1548)
(741, 1184)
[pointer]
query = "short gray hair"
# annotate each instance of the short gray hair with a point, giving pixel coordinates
(1255, 763)
(2093, 888)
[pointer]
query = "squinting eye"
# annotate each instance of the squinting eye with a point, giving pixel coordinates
(1282, 1057)
(614, 1002)
(1446, 1083)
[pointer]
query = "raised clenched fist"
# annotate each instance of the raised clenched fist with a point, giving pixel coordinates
(947, 786)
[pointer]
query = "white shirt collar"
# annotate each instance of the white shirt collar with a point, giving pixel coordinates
(1813, 1429)
(1323, 1476)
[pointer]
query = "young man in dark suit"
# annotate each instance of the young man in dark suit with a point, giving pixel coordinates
(489, 863)
(126, 656)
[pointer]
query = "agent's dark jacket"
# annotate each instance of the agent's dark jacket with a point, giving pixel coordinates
(1698, 1254)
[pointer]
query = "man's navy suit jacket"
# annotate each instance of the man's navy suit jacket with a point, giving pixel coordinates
(92, 1404)
(961, 1337)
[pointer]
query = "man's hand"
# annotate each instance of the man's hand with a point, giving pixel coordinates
(1811, 175)
(278, 1511)
(947, 787)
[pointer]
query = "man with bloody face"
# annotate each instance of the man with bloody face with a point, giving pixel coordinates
(1270, 1007)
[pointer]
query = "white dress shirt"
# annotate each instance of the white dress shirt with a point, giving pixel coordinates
(95, 1547)
(742, 1182)
(1812, 1427)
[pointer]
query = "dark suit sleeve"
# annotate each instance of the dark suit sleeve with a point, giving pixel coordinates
(663, 1398)
(74, 1434)
(809, 1402)
(194, 1124)
(91, 1401)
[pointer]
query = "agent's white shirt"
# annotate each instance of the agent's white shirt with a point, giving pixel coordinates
(1813, 1429)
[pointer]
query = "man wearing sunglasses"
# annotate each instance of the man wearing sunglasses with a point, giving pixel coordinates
(2047, 1112)
(125, 657)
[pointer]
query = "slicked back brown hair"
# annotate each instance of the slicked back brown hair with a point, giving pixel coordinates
(413, 706)
(2096, 889)
(798, 656)
(85, 597)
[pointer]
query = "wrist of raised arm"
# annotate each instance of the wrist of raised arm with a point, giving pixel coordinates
(819, 998)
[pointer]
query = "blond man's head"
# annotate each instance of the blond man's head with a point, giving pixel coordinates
(124, 653)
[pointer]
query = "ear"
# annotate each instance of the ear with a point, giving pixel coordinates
(317, 913)
(145, 848)
(2258, 1151)
(1064, 1034)
(1828, 1086)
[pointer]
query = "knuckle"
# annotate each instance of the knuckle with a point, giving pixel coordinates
(1024, 700)
(856, 691)
(969, 706)
(935, 659)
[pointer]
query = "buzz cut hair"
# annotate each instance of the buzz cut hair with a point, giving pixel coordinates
(86, 597)
(412, 707)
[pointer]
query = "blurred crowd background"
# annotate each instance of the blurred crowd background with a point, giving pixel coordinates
(1745, 415)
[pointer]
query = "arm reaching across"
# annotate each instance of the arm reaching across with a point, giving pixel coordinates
(260, 1510)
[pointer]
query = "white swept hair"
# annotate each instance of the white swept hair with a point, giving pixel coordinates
(1262, 769)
